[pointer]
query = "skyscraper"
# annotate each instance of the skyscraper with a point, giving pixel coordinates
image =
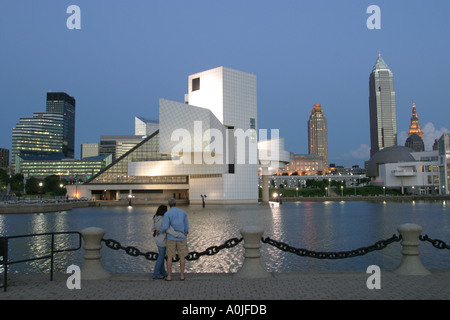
(47, 135)
(61, 102)
(383, 119)
(415, 133)
(415, 126)
(317, 134)
(39, 137)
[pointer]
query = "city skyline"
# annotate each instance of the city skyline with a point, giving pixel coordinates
(126, 57)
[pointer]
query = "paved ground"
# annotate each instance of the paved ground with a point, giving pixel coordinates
(285, 286)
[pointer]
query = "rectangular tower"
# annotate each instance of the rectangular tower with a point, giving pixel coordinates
(231, 96)
(62, 103)
(40, 137)
(317, 134)
(383, 119)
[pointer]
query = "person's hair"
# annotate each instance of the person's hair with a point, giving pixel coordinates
(161, 210)
(172, 202)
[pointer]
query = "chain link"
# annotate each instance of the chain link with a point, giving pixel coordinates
(331, 255)
(435, 242)
(135, 252)
(194, 255)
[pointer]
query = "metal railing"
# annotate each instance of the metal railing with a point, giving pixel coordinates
(4, 247)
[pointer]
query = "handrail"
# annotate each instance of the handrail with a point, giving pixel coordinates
(4, 244)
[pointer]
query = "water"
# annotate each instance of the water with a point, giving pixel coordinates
(317, 226)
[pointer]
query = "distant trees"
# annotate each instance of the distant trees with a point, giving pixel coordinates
(49, 185)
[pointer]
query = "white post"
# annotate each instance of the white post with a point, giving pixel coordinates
(92, 268)
(252, 267)
(410, 264)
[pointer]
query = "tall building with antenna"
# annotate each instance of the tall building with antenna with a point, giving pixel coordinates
(383, 118)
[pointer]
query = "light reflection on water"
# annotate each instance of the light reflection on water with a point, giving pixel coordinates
(317, 226)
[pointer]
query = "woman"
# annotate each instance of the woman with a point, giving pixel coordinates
(160, 240)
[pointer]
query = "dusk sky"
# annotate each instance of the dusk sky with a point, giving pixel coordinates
(129, 54)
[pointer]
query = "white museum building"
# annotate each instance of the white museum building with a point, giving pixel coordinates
(205, 146)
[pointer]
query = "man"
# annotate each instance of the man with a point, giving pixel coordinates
(176, 218)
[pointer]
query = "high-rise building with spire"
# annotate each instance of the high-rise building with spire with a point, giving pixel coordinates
(415, 133)
(383, 118)
(317, 134)
(414, 127)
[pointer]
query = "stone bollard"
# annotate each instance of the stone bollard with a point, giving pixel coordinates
(252, 267)
(410, 264)
(92, 268)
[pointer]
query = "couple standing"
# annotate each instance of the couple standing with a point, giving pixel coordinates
(170, 229)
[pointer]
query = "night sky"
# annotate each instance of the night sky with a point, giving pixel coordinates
(128, 54)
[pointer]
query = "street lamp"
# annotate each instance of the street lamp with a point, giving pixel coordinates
(296, 190)
(384, 191)
(342, 191)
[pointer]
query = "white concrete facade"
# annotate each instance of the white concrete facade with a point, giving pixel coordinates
(417, 177)
(230, 95)
(211, 138)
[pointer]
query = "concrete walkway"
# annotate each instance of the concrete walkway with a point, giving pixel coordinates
(280, 286)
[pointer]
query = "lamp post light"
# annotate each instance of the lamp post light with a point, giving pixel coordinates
(326, 191)
(296, 191)
(342, 191)
(384, 191)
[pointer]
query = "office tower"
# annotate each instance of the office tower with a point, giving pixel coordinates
(414, 126)
(61, 102)
(117, 145)
(4, 158)
(415, 142)
(89, 150)
(317, 134)
(383, 119)
(41, 137)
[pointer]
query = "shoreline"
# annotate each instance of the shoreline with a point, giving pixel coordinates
(55, 207)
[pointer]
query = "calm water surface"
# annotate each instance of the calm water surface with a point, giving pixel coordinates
(318, 226)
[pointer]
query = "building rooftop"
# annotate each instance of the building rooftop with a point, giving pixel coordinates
(380, 64)
(389, 155)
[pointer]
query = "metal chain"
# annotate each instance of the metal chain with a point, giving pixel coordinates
(194, 255)
(332, 255)
(435, 242)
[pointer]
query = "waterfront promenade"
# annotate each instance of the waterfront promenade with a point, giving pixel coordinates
(41, 207)
(348, 285)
